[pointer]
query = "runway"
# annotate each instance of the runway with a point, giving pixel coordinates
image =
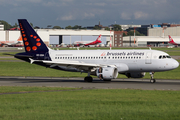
(143, 84)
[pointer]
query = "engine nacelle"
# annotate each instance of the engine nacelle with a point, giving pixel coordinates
(107, 73)
(135, 74)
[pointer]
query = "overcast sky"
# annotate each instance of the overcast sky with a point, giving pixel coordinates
(89, 12)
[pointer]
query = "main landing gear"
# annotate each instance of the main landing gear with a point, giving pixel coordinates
(88, 78)
(152, 80)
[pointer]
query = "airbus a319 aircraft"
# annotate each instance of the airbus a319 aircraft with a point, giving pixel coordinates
(105, 64)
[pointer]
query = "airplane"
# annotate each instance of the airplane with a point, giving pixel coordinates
(17, 43)
(171, 41)
(105, 64)
(87, 43)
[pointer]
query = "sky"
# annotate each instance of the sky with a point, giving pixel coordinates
(89, 12)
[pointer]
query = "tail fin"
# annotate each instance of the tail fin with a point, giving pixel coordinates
(99, 38)
(32, 41)
(170, 39)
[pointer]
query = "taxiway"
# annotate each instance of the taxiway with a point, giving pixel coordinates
(143, 84)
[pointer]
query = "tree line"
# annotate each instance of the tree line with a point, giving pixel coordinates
(114, 27)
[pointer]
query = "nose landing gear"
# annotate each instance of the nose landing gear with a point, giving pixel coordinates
(152, 80)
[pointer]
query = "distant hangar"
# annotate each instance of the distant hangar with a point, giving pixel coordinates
(157, 36)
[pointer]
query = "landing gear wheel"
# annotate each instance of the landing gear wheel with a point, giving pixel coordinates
(88, 79)
(152, 80)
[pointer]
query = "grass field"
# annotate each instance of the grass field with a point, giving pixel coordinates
(95, 104)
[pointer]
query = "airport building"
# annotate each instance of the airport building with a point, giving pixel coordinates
(1, 27)
(59, 36)
(157, 35)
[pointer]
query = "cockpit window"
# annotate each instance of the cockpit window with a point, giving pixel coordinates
(164, 56)
(168, 56)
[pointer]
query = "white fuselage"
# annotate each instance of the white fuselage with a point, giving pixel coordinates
(82, 42)
(124, 60)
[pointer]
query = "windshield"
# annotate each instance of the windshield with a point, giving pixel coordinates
(164, 56)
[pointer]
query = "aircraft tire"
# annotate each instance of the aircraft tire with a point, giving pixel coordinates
(88, 79)
(152, 80)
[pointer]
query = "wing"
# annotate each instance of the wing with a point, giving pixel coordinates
(75, 64)
(70, 64)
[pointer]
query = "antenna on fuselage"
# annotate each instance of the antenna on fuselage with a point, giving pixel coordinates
(149, 48)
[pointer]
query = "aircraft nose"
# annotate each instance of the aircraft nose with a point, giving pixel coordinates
(175, 64)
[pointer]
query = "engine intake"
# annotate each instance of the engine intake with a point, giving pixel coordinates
(107, 73)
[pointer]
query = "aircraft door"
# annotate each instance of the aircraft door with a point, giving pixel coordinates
(148, 58)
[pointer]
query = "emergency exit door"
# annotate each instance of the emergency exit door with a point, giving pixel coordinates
(148, 58)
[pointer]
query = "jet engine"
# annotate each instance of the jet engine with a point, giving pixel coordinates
(135, 74)
(107, 73)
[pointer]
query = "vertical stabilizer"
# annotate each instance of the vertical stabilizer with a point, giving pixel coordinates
(32, 41)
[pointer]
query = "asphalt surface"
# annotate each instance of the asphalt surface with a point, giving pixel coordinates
(143, 84)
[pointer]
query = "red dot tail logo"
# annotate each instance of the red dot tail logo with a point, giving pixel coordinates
(103, 54)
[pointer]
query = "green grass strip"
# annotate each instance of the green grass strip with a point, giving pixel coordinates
(15, 89)
(96, 104)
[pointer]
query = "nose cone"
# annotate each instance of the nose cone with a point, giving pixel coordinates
(175, 64)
